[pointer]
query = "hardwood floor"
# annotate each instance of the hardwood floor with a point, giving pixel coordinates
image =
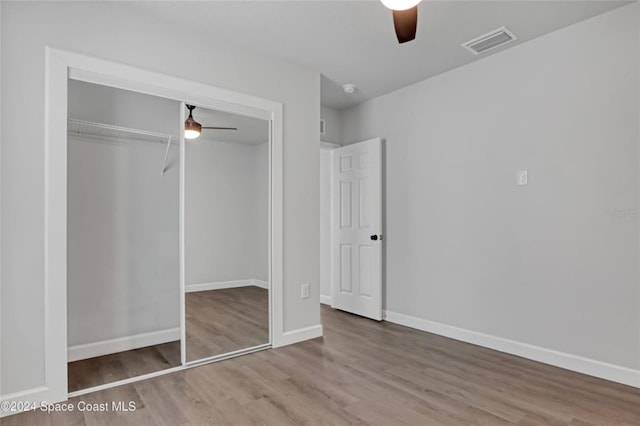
(364, 372)
(218, 321)
(110, 368)
(222, 321)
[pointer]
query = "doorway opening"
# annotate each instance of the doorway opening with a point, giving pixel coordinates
(351, 244)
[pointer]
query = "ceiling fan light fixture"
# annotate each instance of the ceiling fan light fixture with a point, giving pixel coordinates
(400, 4)
(191, 134)
(192, 128)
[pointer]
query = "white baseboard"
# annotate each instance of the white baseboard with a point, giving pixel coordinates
(25, 400)
(90, 350)
(191, 288)
(326, 300)
(261, 284)
(571, 362)
(299, 335)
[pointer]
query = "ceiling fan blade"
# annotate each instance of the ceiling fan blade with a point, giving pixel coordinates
(405, 22)
(220, 128)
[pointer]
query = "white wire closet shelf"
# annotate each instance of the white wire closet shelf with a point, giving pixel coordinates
(90, 128)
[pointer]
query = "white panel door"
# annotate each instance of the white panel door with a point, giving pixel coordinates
(357, 228)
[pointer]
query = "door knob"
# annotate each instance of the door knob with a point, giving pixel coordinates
(375, 237)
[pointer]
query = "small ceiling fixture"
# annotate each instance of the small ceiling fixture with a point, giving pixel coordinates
(349, 88)
(405, 18)
(192, 128)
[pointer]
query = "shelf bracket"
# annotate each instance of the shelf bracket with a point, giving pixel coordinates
(166, 155)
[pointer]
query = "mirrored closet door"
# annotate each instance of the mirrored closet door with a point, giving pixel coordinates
(167, 235)
(123, 288)
(226, 233)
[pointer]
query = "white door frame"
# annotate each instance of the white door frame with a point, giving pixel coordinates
(326, 266)
(59, 67)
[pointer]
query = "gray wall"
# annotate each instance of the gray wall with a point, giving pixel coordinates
(333, 125)
(226, 211)
(123, 271)
(554, 263)
(108, 105)
(111, 31)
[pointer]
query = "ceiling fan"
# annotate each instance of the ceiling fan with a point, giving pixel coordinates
(405, 18)
(192, 128)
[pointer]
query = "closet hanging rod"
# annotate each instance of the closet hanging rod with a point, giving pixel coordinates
(110, 130)
(90, 128)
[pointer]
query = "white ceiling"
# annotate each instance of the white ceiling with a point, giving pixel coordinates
(354, 41)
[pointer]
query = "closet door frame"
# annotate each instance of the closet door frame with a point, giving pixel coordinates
(60, 66)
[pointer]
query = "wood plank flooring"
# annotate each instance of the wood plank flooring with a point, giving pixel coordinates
(364, 372)
(218, 321)
(222, 321)
(110, 368)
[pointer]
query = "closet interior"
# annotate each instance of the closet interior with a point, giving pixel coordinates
(166, 267)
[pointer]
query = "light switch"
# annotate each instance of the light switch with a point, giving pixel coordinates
(523, 178)
(304, 293)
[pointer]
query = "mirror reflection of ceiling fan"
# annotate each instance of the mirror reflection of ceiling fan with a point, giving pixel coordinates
(405, 18)
(192, 128)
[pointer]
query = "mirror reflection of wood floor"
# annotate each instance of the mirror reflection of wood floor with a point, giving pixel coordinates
(364, 372)
(222, 321)
(110, 368)
(218, 321)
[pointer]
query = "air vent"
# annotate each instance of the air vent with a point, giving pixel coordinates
(322, 127)
(490, 41)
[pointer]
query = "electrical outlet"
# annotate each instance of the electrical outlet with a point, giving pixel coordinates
(304, 291)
